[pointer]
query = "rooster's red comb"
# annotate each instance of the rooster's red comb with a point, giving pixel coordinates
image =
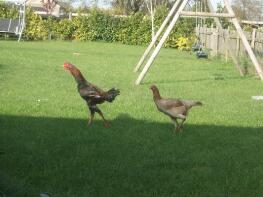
(67, 65)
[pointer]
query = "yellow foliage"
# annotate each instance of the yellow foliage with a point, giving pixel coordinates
(184, 43)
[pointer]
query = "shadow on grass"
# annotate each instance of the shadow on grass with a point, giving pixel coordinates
(64, 157)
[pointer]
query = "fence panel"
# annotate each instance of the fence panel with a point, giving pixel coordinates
(214, 40)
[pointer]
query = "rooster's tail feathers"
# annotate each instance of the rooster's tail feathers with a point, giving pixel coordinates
(111, 94)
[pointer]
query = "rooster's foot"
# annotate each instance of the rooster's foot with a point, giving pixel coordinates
(89, 123)
(107, 125)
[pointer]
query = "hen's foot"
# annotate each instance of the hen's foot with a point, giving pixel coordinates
(176, 130)
(181, 129)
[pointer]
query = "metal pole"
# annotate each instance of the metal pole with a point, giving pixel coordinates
(160, 44)
(157, 35)
(23, 21)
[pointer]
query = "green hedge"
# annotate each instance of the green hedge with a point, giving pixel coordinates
(98, 25)
(8, 10)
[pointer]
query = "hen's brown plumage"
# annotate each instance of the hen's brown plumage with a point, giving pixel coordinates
(91, 93)
(174, 108)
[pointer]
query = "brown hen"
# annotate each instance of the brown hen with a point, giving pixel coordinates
(174, 108)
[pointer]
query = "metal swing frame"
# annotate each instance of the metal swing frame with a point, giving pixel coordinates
(173, 16)
(15, 26)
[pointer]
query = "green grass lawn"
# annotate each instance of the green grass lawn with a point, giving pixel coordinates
(46, 146)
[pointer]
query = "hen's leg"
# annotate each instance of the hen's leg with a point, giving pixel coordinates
(183, 118)
(92, 113)
(106, 124)
(176, 125)
(181, 125)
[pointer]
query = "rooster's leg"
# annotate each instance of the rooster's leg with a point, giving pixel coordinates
(91, 118)
(92, 113)
(106, 124)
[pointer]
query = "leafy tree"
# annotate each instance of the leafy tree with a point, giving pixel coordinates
(134, 6)
(248, 9)
(224, 21)
(49, 5)
(127, 6)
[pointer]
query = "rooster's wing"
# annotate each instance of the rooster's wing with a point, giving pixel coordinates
(90, 91)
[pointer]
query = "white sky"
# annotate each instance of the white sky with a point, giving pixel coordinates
(215, 2)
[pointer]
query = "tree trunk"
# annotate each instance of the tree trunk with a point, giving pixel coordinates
(152, 19)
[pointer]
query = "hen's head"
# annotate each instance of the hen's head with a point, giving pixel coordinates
(153, 87)
(68, 66)
(156, 94)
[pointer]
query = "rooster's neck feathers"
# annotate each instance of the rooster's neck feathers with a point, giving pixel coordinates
(77, 75)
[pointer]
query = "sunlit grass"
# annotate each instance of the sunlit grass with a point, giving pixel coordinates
(45, 145)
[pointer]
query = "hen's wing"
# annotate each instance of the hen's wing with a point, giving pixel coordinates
(172, 107)
(170, 103)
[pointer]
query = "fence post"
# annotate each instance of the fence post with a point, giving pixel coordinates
(215, 42)
(253, 41)
(226, 49)
(204, 36)
(238, 45)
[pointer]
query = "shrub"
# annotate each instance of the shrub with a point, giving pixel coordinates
(64, 29)
(8, 10)
(184, 43)
(99, 25)
(35, 27)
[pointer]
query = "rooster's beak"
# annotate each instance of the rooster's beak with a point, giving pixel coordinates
(65, 66)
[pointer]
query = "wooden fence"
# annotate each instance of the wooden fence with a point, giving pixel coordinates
(214, 39)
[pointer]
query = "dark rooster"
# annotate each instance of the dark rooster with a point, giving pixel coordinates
(174, 108)
(91, 93)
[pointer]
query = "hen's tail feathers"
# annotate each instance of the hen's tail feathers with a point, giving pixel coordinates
(190, 104)
(111, 94)
(198, 103)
